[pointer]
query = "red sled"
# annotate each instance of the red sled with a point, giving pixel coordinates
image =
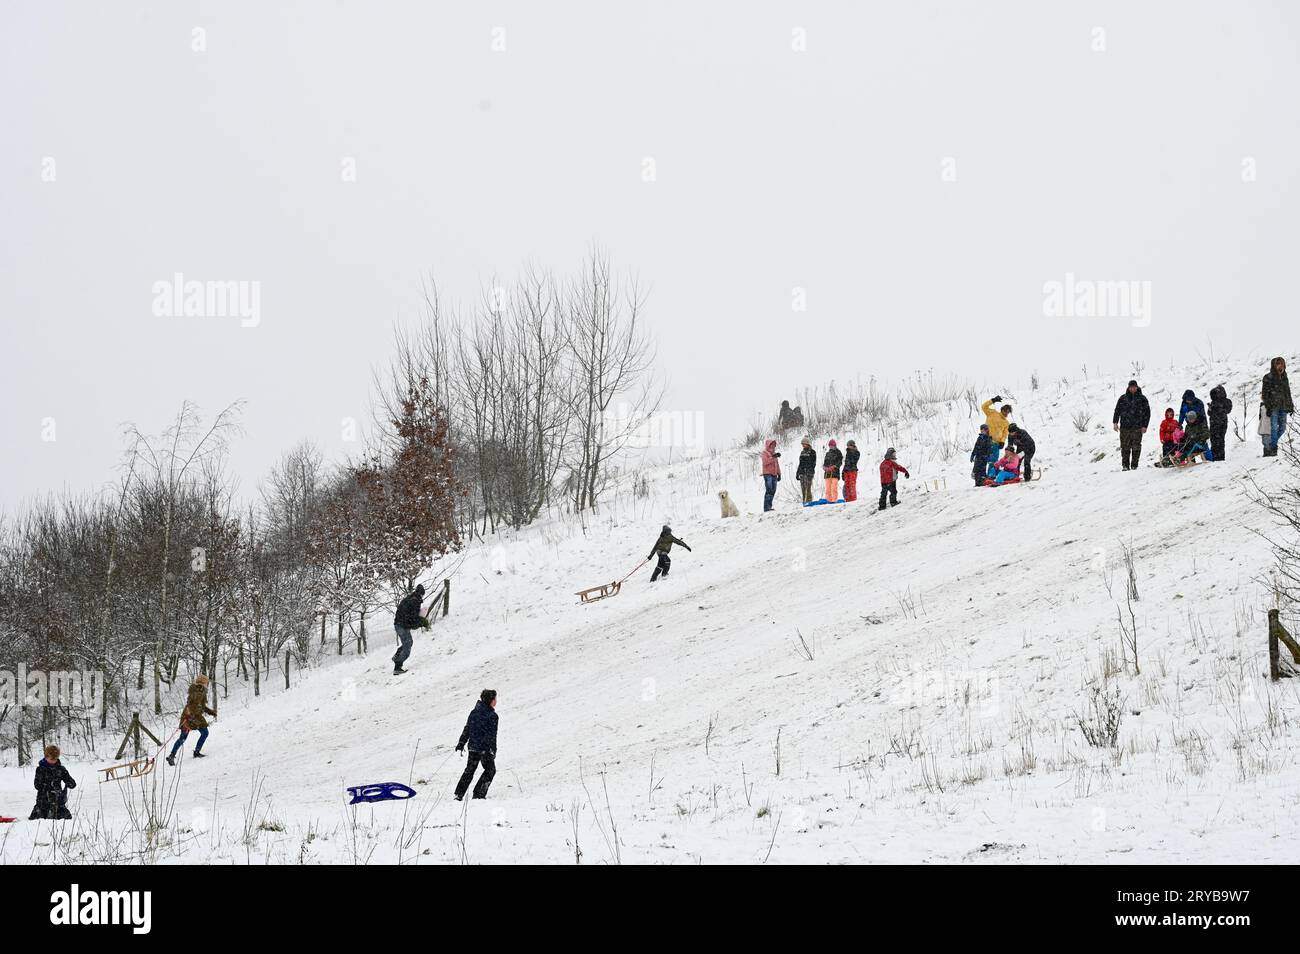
(5, 819)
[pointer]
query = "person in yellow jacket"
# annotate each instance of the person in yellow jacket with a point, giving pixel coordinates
(998, 422)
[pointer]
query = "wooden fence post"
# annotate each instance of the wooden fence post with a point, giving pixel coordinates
(1277, 633)
(446, 595)
(286, 669)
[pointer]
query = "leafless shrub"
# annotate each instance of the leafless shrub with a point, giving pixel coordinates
(1100, 721)
(1081, 418)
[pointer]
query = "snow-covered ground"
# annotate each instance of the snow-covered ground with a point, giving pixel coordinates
(952, 645)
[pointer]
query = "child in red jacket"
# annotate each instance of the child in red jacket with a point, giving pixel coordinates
(889, 470)
(1168, 429)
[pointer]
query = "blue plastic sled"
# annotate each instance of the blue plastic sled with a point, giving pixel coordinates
(818, 503)
(381, 792)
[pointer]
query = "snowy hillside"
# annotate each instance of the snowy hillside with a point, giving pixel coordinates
(831, 684)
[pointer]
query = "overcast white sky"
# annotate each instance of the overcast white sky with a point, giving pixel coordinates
(820, 169)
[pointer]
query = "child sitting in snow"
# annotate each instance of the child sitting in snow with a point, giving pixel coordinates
(1008, 467)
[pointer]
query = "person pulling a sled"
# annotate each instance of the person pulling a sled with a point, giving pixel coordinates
(661, 547)
(406, 619)
(998, 421)
(1022, 443)
(52, 782)
(194, 716)
(480, 735)
(979, 456)
(807, 469)
(889, 471)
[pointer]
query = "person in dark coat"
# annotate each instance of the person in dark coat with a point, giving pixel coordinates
(979, 456)
(851, 456)
(480, 735)
(1220, 408)
(661, 547)
(194, 716)
(1132, 415)
(52, 783)
(807, 469)
(406, 619)
(1278, 404)
(1019, 440)
(1191, 403)
(1196, 437)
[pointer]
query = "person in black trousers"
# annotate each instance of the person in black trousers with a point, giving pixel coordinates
(1018, 438)
(481, 736)
(1220, 408)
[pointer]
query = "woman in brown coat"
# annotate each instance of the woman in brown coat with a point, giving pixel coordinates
(194, 716)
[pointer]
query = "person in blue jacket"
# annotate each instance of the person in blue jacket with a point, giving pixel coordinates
(481, 736)
(1191, 403)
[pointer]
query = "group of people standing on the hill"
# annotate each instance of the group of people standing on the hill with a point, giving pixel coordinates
(837, 466)
(1196, 430)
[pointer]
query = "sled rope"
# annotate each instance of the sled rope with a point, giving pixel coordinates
(634, 569)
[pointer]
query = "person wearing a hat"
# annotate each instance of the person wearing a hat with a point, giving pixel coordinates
(889, 471)
(52, 782)
(1022, 443)
(1132, 415)
(831, 471)
(851, 472)
(997, 421)
(807, 469)
(979, 456)
(661, 547)
(407, 618)
(1196, 437)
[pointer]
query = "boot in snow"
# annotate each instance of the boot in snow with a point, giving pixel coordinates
(199, 755)
(171, 760)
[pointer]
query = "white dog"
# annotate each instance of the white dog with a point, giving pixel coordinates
(729, 508)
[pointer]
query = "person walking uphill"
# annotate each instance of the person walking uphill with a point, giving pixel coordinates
(1276, 398)
(1220, 408)
(771, 473)
(831, 470)
(889, 471)
(807, 469)
(1132, 416)
(998, 421)
(480, 734)
(194, 716)
(661, 547)
(851, 456)
(52, 782)
(406, 619)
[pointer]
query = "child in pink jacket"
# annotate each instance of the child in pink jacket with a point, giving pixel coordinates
(1008, 467)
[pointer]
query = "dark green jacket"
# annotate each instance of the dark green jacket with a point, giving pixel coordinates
(1277, 393)
(665, 543)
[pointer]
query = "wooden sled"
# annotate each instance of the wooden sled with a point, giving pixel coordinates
(137, 768)
(591, 594)
(1192, 460)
